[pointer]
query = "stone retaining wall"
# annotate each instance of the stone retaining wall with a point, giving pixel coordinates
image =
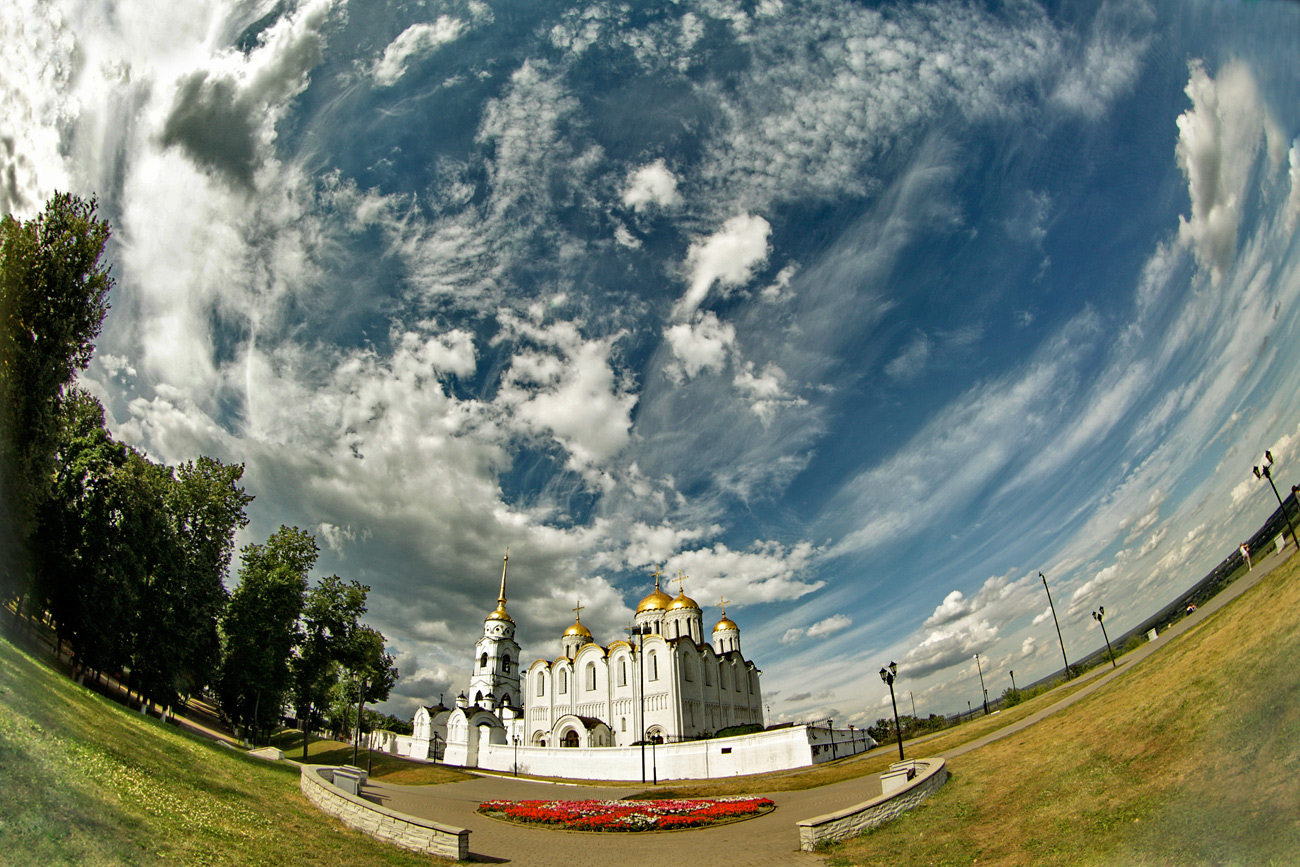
(840, 825)
(409, 832)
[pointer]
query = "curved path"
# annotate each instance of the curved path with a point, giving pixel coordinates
(768, 841)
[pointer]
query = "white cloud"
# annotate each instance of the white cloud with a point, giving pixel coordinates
(1109, 62)
(830, 625)
(1218, 140)
(911, 362)
(767, 572)
(1293, 196)
(702, 345)
(654, 184)
(727, 257)
(954, 607)
(414, 41)
(568, 390)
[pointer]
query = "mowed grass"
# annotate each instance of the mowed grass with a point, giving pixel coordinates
(84, 781)
(381, 766)
(1191, 758)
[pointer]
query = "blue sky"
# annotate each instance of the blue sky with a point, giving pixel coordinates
(857, 314)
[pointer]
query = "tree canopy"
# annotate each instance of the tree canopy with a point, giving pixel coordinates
(53, 297)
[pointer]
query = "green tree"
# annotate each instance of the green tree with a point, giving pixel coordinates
(206, 506)
(53, 297)
(330, 624)
(261, 627)
(372, 668)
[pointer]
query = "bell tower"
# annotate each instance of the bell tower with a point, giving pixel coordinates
(495, 678)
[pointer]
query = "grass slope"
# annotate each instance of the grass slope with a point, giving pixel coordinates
(84, 781)
(1191, 758)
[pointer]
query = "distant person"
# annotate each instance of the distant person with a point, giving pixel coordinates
(1191, 609)
(1245, 552)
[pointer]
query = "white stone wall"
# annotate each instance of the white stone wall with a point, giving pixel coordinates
(759, 753)
(840, 825)
(399, 829)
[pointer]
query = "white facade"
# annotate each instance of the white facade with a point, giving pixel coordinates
(602, 711)
(690, 688)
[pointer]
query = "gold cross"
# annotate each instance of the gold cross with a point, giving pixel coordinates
(722, 603)
(577, 611)
(681, 580)
(657, 573)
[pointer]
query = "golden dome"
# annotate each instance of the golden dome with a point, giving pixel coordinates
(500, 612)
(725, 623)
(683, 601)
(656, 601)
(578, 629)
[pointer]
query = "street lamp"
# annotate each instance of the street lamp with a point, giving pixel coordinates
(516, 740)
(1014, 691)
(642, 630)
(830, 727)
(983, 691)
(361, 699)
(1058, 625)
(913, 698)
(1099, 616)
(1264, 473)
(888, 675)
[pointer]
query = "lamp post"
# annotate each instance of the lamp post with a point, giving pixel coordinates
(1058, 625)
(641, 630)
(1014, 691)
(1265, 473)
(516, 740)
(853, 741)
(983, 692)
(913, 698)
(830, 728)
(1099, 616)
(888, 675)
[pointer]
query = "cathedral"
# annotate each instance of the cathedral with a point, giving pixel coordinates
(665, 680)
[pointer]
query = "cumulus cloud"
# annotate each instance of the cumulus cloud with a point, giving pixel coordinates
(1219, 138)
(219, 115)
(414, 41)
(766, 572)
(830, 625)
(702, 345)
(654, 184)
(727, 258)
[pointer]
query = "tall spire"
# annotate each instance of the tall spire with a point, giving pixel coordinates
(501, 597)
(500, 612)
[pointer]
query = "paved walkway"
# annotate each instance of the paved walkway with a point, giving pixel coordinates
(769, 841)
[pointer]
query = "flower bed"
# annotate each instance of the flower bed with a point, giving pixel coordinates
(627, 815)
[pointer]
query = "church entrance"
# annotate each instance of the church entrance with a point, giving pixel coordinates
(571, 739)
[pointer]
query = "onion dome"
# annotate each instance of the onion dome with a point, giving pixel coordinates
(577, 629)
(656, 601)
(683, 602)
(725, 623)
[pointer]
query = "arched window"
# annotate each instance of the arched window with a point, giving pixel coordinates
(654, 666)
(722, 677)
(478, 697)
(482, 661)
(570, 739)
(622, 672)
(688, 668)
(622, 724)
(505, 663)
(541, 684)
(708, 673)
(591, 676)
(564, 681)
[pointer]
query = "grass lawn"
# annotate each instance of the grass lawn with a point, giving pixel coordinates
(1191, 758)
(84, 781)
(382, 766)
